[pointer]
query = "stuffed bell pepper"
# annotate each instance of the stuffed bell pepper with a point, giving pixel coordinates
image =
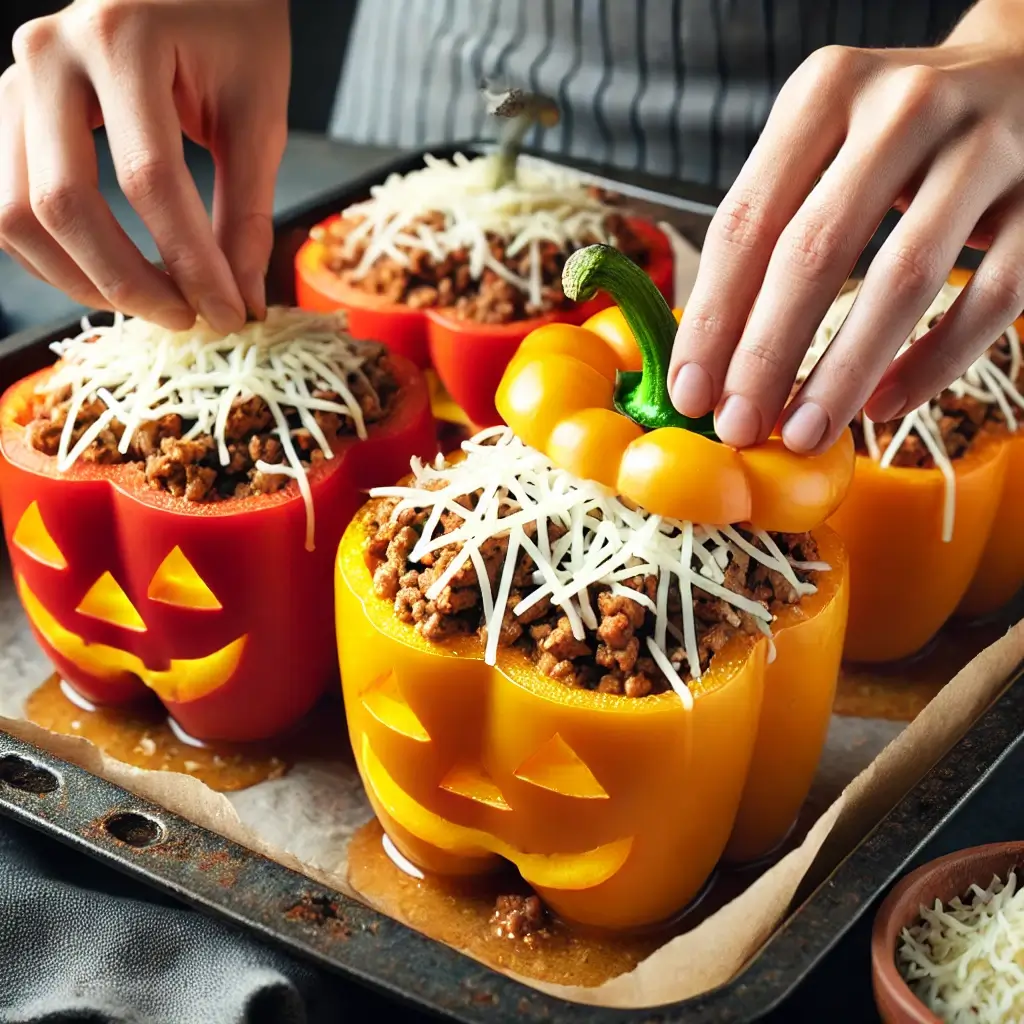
(931, 522)
(453, 272)
(595, 643)
(172, 504)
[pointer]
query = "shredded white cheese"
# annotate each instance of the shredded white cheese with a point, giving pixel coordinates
(544, 204)
(597, 540)
(982, 380)
(965, 962)
(142, 372)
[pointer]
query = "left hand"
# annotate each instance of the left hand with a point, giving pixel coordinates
(939, 134)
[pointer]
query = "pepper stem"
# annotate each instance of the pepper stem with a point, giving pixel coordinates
(642, 396)
(520, 111)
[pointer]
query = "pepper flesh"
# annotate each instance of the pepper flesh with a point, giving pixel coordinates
(799, 689)
(466, 763)
(469, 357)
(1000, 573)
(904, 581)
(217, 609)
(559, 396)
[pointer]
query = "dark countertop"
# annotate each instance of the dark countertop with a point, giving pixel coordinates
(839, 990)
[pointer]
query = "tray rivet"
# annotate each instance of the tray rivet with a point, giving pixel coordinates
(134, 829)
(24, 774)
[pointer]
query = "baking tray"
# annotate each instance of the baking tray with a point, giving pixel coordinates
(223, 878)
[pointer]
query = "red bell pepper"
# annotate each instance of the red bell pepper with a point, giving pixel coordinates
(469, 357)
(219, 609)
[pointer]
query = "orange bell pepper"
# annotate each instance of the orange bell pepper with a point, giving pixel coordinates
(905, 581)
(1000, 573)
(578, 395)
(615, 809)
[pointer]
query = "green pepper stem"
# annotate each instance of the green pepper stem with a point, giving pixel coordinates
(642, 396)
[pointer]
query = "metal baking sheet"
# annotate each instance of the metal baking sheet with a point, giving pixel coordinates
(224, 878)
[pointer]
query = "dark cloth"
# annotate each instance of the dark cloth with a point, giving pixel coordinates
(79, 942)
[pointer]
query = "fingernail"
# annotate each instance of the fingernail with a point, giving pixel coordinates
(221, 315)
(887, 403)
(691, 392)
(738, 423)
(805, 428)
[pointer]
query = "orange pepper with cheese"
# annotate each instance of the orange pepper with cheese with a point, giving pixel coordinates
(926, 544)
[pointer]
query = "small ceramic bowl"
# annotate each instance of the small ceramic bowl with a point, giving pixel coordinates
(941, 879)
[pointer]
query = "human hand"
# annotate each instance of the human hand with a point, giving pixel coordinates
(149, 70)
(937, 133)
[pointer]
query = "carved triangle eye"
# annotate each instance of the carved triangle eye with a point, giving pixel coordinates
(475, 784)
(107, 602)
(176, 582)
(385, 702)
(557, 767)
(32, 536)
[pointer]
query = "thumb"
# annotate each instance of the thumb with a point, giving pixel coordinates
(246, 157)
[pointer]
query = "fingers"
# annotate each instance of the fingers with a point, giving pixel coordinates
(989, 303)
(21, 234)
(63, 187)
(247, 156)
(144, 132)
(797, 143)
(814, 256)
(901, 283)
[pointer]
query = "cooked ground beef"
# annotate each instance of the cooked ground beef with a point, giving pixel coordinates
(191, 468)
(427, 282)
(520, 918)
(610, 659)
(962, 421)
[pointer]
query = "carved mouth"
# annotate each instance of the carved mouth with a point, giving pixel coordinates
(185, 679)
(581, 870)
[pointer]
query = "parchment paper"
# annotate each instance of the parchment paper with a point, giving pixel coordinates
(305, 819)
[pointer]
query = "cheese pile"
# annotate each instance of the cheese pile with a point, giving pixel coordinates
(543, 205)
(982, 380)
(965, 962)
(142, 372)
(605, 542)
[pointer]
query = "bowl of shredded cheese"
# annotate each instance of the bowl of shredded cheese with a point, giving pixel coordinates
(948, 943)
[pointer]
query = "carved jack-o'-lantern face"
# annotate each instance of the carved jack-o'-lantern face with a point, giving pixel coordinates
(175, 583)
(219, 609)
(614, 809)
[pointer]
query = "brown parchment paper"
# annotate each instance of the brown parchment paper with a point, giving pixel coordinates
(305, 819)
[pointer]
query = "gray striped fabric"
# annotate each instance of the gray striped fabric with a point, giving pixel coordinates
(678, 88)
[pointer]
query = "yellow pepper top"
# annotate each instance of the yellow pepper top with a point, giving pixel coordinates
(595, 400)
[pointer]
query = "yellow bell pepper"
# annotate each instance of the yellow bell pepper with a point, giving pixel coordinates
(615, 809)
(799, 690)
(595, 400)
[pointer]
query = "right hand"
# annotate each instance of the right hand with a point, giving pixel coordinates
(149, 70)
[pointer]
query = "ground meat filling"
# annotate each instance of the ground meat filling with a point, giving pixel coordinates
(191, 469)
(610, 659)
(519, 919)
(962, 419)
(428, 282)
